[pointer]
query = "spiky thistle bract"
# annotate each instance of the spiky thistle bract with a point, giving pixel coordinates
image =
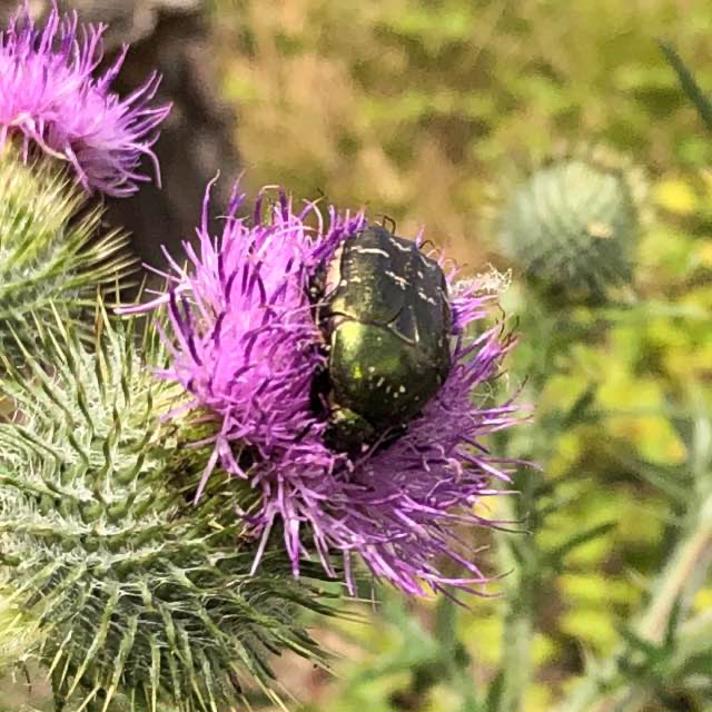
(18, 636)
(142, 601)
(48, 254)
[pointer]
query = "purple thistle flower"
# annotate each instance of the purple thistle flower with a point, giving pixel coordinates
(50, 99)
(245, 345)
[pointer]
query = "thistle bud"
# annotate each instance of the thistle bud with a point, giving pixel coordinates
(572, 227)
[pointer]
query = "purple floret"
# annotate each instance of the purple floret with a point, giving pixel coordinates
(244, 344)
(51, 100)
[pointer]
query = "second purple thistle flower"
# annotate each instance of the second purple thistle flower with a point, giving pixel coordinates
(337, 363)
(51, 100)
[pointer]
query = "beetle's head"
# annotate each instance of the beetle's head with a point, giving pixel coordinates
(348, 431)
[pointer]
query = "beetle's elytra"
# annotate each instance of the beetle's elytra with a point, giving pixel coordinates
(386, 319)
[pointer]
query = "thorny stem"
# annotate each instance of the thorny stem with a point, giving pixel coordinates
(517, 655)
(518, 621)
(688, 558)
(455, 661)
(518, 556)
(604, 688)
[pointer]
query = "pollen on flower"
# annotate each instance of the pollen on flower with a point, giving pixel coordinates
(246, 346)
(52, 100)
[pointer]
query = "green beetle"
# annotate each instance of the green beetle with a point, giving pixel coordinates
(386, 320)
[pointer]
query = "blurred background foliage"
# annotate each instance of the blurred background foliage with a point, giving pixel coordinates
(432, 113)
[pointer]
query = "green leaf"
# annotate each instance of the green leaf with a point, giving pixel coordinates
(688, 83)
(557, 556)
(494, 693)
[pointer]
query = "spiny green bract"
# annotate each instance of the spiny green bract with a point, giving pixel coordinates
(141, 599)
(47, 254)
(18, 635)
(572, 227)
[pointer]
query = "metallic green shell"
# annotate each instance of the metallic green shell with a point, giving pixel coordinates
(388, 321)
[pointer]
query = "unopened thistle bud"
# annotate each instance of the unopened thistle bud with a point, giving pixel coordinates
(572, 227)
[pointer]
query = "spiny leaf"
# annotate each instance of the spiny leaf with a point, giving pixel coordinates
(688, 83)
(556, 556)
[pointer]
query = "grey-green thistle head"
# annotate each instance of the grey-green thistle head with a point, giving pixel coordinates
(48, 253)
(139, 598)
(572, 226)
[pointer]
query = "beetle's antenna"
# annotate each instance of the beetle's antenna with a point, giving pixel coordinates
(387, 220)
(433, 246)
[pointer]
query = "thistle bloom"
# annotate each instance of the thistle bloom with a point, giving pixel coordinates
(50, 99)
(244, 344)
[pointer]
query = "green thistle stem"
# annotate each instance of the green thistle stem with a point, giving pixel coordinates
(518, 554)
(678, 577)
(518, 631)
(606, 688)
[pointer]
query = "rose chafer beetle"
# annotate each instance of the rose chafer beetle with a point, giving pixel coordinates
(386, 320)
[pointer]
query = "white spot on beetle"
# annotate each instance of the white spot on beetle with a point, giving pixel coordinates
(425, 297)
(369, 251)
(400, 246)
(400, 281)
